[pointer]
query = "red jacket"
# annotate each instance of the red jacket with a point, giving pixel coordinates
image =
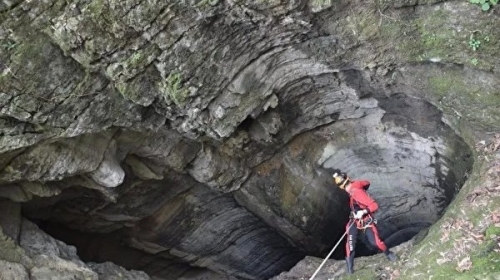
(358, 195)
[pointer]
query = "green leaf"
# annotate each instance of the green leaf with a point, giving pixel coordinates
(485, 6)
(482, 1)
(494, 2)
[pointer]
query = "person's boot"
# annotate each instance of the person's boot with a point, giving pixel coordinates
(390, 256)
(350, 264)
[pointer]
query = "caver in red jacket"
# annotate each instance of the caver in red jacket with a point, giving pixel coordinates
(359, 200)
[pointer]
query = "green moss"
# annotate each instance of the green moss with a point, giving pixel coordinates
(206, 3)
(361, 274)
(96, 8)
(492, 232)
(432, 35)
(485, 260)
(454, 86)
(441, 85)
(318, 5)
(390, 28)
(28, 51)
(437, 35)
(358, 26)
(99, 12)
(122, 88)
(488, 49)
(454, 89)
(424, 38)
(173, 90)
(126, 91)
(435, 39)
(417, 39)
(11, 252)
(367, 27)
(136, 58)
(141, 58)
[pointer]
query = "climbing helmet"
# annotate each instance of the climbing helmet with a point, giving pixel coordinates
(341, 179)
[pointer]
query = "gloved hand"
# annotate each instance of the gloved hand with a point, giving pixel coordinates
(359, 214)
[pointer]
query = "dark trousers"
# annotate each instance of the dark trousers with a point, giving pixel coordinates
(371, 234)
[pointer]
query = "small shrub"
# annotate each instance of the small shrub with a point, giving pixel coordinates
(9, 45)
(485, 4)
(474, 43)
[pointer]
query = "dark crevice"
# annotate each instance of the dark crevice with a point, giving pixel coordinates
(246, 123)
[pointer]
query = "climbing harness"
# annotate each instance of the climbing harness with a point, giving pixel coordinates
(363, 224)
(331, 252)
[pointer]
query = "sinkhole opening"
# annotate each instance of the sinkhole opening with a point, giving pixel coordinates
(415, 162)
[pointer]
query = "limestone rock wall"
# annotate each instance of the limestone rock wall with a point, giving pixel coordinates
(206, 131)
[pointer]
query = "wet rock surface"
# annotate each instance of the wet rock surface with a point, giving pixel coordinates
(201, 135)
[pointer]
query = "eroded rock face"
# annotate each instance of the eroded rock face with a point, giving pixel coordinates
(203, 133)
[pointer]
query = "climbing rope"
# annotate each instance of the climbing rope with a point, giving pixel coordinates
(331, 252)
